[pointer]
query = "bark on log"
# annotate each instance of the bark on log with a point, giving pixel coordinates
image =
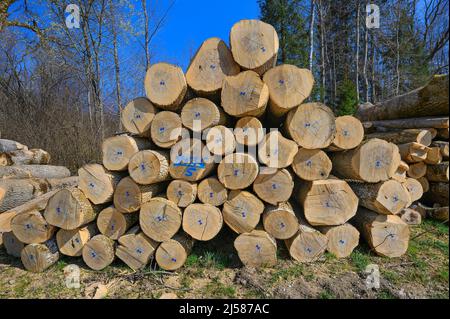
(274, 185)
(199, 114)
(438, 193)
(288, 87)
(138, 115)
(311, 125)
(34, 171)
(277, 151)
(202, 221)
(438, 172)
(118, 150)
(429, 100)
(256, 249)
(71, 242)
(421, 136)
(442, 133)
(211, 191)
(424, 182)
(32, 228)
(311, 165)
(254, 45)
(237, 171)
(25, 157)
(437, 213)
(249, 131)
(129, 196)
(113, 224)
(181, 192)
(387, 235)
(242, 211)
(97, 183)
(13, 246)
(39, 257)
(443, 146)
(418, 122)
(165, 86)
(149, 167)
(373, 161)
(280, 221)
(7, 146)
(99, 252)
(172, 254)
(349, 133)
(166, 129)
(342, 239)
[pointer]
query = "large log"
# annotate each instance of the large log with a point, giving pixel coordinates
(71, 242)
(311, 165)
(237, 171)
(277, 151)
(172, 254)
(199, 114)
(25, 157)
(181, 192)
(34, 171)
(99, 252)
(149, 167)
(254, 45)
(165, 85)
(138, 115)
(388, 197)
(202, 221)
(32, 228)
(373, 161)
(113, 224)
(413, 152)
(97, 183)
(327, 202)
(438, 172)
(70, 209)
(249, 131)
(256, 249)
(418, 122)
(387, 235)
(443, 146)
(211, 191)
(414, 188)
(244, 94)
(274, 185)
(7, 146)
(220, 140)
(242, 211)
(13, 246)
(160, 219)
(118, 150)
(311, 125)
(429, 100)
(421, 136)
(342, 239)
(135, 249)
(129, 196)
(212, 62)
(288, 87)
(166, 129)
(349, 133)
(39, 257)
(417, 170)
(280, 221)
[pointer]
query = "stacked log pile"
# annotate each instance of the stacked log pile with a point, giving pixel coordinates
(418, 122)
(201, 153)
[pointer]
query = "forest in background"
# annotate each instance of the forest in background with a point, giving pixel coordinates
(63, 91)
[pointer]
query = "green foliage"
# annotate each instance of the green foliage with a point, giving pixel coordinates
(360, 260)
(347, 98)
(217, 289)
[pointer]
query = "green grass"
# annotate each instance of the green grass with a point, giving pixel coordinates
(287, 273)
(208, 259)
(21, 286)
(385, 294)
(391, 276)
(216, 289)
(359, 260)
(326, 294)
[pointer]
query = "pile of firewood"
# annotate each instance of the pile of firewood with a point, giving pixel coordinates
(418, 123)
(196, 158)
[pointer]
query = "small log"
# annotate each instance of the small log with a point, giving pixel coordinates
(149, 167)
(288, 87)
(71, 242)
(160, 219)
(421, 136)
(138, 115)
(220, 140)
(70, 209)
(256, 249)
(242, 211)
(327, 202)
(388, 197)
(414, 188)
(211, 191)
(25, 157)
(434, 156)
(208, 68)
(114, 224)
(308, 244)
(181, 192)
(244, 94)
(280, 221)
(13, 246)
(311, 125)
(437, 213)
(237, 171)
(199, 114)
(129, 196)
(373, 161)
(34, 171)
(442, 133)
(15, 192)
(7, 146)
(311, 165)
(349, 133)
(32, 228)
(400, 173)
(166, 129)
(429, 100)
(410, 216)
(387, 235)
(39, 257)
(254, 45)
(172, 254)
(413, 152)
(202, 221)
(277, 151)
(443, 146)
(417, 170)
(274, 185)
(165, 85)
(135, 249)
(417, 122)
(438, 193)
(190, 160)
(342, 239)
(249, 131)
(99, 252)
(425, 184)
(118, 150)
(438, 172)
(97, 183)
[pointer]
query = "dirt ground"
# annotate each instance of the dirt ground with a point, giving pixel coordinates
(213, 270)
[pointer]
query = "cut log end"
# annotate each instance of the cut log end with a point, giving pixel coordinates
(311, 165)
(202, 221)
(242, 211)
(211, 191)
(182, 193)
(256, 249)
(99, 252)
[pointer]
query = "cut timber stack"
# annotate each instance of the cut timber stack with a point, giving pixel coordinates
(235, 144)
(418, 123)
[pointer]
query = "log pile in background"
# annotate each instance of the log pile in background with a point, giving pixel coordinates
(317, 188)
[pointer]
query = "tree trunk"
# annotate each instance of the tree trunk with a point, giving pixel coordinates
(357, 51)
(410, 216)
(443, 146)
(71, 242)
(11, 244)
(414, 188)
(99, 252)
(256, 249)
(400, 173)
(438, 193)
(38, 257)
(202, 221)
(113, 224)
(129, 196)
(342, 239)
(137, 116)
(97, 183)
(24, 157)
(118, 150)
(149, 167)
(311, 36)
(280, 221)
(32, 228)
(434, 156)
(7, 146)
(34, 171)
(311, 165)
(172, 254)
(242, 211)
(409, 123)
